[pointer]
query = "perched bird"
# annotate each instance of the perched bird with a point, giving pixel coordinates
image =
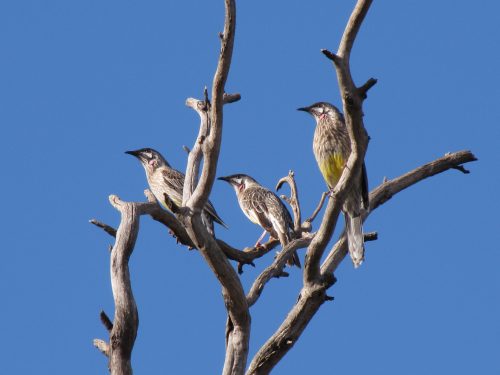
(262, 207)
(165, 180)
(332, 147)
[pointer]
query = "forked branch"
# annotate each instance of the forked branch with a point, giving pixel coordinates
(208, 146)
(352, 100)
(310, 299)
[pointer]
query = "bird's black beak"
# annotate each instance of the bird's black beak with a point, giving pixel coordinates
(304, 109)
(137, 154)
(227, 179)
(133, 153)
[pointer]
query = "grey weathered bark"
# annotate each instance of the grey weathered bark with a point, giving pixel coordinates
(196, 194)
(311, 298)
(186, 224)
(123, 329)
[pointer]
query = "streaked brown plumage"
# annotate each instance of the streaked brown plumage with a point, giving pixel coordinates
(262, 207)
(163, 179)
(332, 147)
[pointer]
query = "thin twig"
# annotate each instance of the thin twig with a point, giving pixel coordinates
(106, 321)
(275, 269)
(319, 207)
(108, 229)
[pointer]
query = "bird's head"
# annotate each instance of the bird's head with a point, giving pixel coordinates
(239, 181)
(150, 159)
(320, 110)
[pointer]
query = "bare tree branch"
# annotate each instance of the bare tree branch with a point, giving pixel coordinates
(352, 104)
(276, 268)
(370, 236)
(312, 297)
(247, 255)
(202, 107)
(106, 321)
(212, 147)
(108, 229)
(352, 28)
(123, 331)
(102, 346)
(318, 208)
(309, 301)
(388, 189)
(209, 141)
(293, 200)
(153, 209)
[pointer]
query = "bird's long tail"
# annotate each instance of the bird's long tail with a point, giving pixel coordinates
(294, 260)
(355, 240)
(208, 221)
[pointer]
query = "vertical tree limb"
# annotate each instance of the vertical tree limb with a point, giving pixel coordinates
(126, 320)
(232, 290)
(353, 113)
(212, 144)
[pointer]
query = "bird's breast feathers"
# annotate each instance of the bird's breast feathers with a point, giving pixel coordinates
(331, 168)
(252, 216)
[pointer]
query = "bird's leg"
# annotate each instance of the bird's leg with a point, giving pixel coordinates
(258, 244)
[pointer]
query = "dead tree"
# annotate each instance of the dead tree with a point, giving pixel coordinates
(189, 230)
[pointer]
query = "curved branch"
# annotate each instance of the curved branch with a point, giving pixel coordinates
(212, 146)
(388, 189)
(232, 290)
(123, 330)
(276, 268)
(316, 211)
(293, 200)
(202, 107)
(309, 301)
(352, 28)
(352, 100)
(312, 296)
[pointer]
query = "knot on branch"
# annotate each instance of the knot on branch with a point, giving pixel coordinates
(327, 280)
(202, 107)
(349, 99)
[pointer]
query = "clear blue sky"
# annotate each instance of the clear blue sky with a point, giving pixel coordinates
(83, 81)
